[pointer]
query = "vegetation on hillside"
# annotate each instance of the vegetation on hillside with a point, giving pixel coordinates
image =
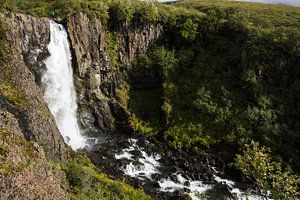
(229, 77)
(228, 74)
(86, 182)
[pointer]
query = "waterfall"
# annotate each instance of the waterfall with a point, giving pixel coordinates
(59, 91)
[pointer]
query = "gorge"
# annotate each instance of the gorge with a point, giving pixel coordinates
(189, 100)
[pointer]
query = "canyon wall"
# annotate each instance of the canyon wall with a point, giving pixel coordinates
(97, 76)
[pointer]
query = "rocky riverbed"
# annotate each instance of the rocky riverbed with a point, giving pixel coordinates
(165, 173)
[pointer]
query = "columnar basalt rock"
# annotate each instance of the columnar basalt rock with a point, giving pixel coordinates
(136, 39)
(96, 77)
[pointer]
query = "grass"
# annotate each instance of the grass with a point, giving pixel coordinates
(12, 94)
(263, 15)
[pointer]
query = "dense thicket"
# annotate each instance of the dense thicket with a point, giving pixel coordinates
(228, 77)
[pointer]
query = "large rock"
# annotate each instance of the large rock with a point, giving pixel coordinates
(136, 39)
(94, 75)
(27, 39)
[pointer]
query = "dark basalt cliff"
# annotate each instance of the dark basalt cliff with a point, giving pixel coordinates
(96, 77)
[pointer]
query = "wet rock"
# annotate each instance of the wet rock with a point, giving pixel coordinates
(136, 153)
(187, 183)
(219, 191)
(187, 190)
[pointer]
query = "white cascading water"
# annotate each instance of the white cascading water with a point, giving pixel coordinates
(59, 92)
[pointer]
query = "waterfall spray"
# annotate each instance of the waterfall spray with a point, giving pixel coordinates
(59, 91)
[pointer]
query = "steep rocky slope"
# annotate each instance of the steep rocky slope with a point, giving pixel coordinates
(29, 137)
(27, 39)
(27, 127)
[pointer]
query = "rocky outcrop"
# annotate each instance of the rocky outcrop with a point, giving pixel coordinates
(96, 76)
(136, 39)
(25, 172)
(27, 38)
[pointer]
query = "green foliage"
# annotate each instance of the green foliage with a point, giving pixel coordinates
(140, 126)
(62, 8)
(12, 94)
(112, 42)
(87, 183)
(165, 60)
(189, 30)
(256, 164)
(122, 93)
(122, 11)
(258, 14)
(187, 135)
(146, 12)
(237, 79)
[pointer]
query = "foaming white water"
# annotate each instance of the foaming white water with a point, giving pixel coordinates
(59, 91)
(147, 165)
(192, 188)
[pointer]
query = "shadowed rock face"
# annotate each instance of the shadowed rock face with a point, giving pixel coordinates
(27, 39)
(95, 78)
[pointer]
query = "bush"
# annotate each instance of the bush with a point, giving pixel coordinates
(257, 165)
(146, 12)
(122, 11)
(189, 30)
(87, 183)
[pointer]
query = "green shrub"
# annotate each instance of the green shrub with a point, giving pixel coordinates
(146, 12)
(140, 126)
(257, 165)
(122, 93)
(112, 42)
(122, 11)
(189, 30)
(87, 183)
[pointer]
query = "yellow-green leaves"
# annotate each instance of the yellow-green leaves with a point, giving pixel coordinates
(257, 165)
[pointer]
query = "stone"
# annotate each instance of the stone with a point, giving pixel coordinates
(28, 38)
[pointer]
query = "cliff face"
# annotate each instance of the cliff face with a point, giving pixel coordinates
(27, 38)
(96, 77)
(25, 173)
(27, 128)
